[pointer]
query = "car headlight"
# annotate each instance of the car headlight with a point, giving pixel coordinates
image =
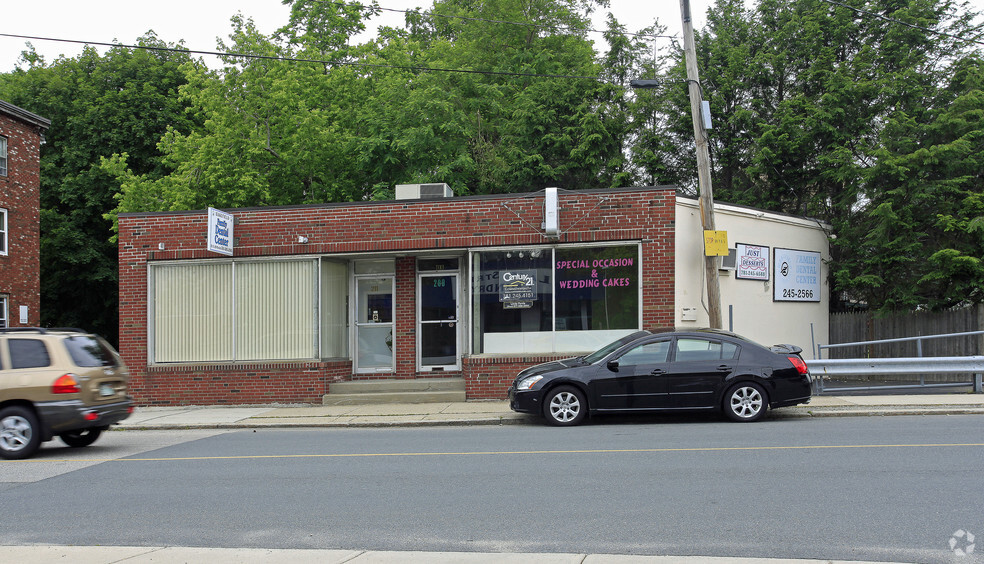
(527, 383)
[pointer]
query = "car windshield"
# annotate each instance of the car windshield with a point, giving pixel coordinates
(611, 347)
(89, 352)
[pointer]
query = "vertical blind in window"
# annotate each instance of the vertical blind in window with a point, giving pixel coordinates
(268, 313)
(334, 308)
(275, 310)
(193, 313)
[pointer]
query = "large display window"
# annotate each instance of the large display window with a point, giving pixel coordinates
(554, 299)
(234, 310)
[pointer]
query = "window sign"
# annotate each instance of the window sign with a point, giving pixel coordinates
(220, 232)
(517, 286)
(752, 262)
(597, 288)
(797, 276)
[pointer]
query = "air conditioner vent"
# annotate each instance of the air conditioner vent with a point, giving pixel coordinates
(728, 262)
(423, 191)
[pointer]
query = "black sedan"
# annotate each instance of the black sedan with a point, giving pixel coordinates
(674, 371)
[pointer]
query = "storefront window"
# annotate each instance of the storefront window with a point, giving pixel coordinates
(554, 299)
(597, 288)
(512, 294)
(225, 311)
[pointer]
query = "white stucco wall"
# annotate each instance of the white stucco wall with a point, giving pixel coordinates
(747, 306)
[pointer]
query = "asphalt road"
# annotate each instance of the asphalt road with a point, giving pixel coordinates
(858, 488)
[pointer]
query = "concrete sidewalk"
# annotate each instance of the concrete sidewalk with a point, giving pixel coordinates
(498, 413)
(175, 554)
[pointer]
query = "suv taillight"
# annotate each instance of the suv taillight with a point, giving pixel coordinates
(65, 384)
(798, 363)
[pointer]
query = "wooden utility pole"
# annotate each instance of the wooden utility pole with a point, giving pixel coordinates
(703, 167)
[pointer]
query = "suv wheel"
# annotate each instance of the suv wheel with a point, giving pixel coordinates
(79, 439)
(20, 434)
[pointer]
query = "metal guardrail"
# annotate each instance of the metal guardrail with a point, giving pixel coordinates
(919, 340)
(892, 366)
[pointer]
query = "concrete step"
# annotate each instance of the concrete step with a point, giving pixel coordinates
(421, 390)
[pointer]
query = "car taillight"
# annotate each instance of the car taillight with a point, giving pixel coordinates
(65, 384)
(799, 364)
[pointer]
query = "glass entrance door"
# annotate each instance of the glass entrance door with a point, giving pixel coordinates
(374, 324)
(439, 328)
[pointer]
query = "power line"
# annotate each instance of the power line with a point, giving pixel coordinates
(906, 24)
(473, 19)
(415, 68)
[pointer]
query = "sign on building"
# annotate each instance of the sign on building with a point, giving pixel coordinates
(220, 232)
(797, 276)
(752, 262)
(518, 287)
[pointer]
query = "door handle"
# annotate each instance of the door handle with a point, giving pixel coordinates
(658, 372)
(726, 368)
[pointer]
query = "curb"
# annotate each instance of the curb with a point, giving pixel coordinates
(379, 422)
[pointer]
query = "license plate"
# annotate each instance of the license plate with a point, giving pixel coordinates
(106, 390)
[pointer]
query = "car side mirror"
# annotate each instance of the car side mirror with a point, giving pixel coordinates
(613, 365)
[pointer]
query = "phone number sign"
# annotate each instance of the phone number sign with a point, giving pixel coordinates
(798, 276)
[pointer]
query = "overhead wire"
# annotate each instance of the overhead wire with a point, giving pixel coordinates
(906, 24)
(419, 68)
(474, 19)
(300, 60)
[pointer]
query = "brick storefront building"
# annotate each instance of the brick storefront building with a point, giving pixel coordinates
(397, 289)
(21, 135)
(263, 305)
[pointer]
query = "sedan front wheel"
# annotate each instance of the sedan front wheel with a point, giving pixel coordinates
(745, 403)
(565, 406)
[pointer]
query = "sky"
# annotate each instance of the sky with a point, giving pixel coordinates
(200, 22)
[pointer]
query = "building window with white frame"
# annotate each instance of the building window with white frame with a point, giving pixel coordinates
(554, 299)
(234, 311)
(3, 312)
(3, 156)
(3, 231)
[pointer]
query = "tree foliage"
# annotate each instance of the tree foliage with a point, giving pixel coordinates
(98, 106)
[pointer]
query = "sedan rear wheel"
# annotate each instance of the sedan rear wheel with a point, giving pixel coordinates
(20, 434)
(79, 439)
(565, 406)
(745, 402)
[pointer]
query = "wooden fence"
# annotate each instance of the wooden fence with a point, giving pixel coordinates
(855, 327)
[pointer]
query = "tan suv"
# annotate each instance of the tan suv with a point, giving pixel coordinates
(58, 382)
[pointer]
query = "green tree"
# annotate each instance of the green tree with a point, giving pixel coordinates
(98, 106)
(923, 242)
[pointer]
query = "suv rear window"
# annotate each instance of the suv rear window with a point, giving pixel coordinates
(28, 353)
(89, 352)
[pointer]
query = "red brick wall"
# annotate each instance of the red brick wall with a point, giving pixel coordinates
(644, 214)
(20, 195)
(238, 384)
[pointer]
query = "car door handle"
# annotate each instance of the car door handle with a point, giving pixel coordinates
(658, 372)
(726, 368)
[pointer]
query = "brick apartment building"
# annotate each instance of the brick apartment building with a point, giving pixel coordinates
(21, 135)
(285, 304)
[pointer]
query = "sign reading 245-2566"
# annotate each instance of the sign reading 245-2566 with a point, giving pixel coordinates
(798, 276)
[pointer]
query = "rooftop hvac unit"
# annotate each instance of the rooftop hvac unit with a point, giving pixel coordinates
(423, 191)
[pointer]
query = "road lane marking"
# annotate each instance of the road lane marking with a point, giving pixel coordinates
(518, 452)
